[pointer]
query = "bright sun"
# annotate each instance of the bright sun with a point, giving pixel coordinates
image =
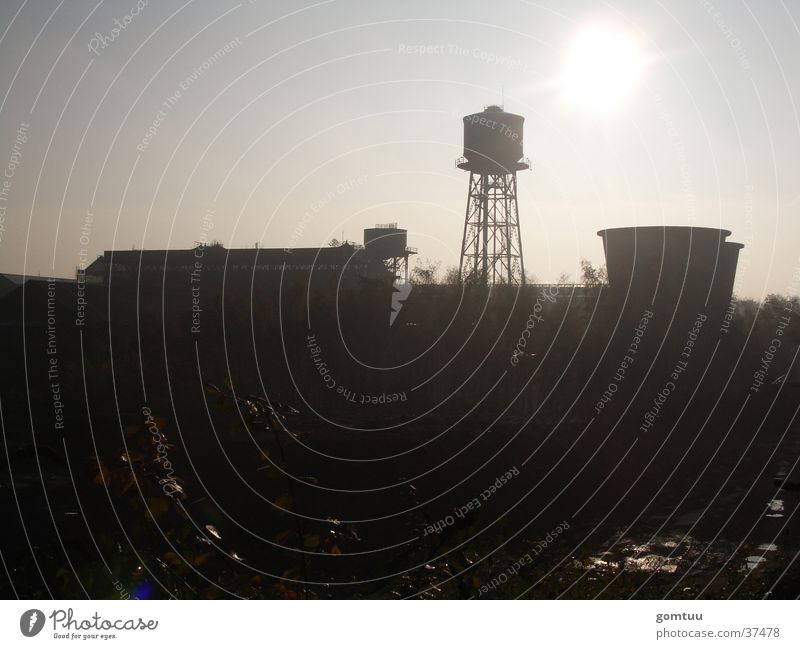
(603, 65)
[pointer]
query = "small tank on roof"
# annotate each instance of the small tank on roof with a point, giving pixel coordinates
(385, 241)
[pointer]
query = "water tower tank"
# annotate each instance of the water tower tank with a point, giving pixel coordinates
(385, 241)
(493, 142)
(672, 264)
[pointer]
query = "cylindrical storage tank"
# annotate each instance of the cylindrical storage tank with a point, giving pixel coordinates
(493, 141)
(681, 265)
(385, 242)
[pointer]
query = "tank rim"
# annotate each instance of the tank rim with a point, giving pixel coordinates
(670, 228)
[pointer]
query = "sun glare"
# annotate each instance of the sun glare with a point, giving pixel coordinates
(602, 67)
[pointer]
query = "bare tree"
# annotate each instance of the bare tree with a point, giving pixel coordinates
(451, 275)
(592, 276)
(425, 272)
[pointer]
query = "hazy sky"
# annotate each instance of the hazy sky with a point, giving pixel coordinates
(290, 123)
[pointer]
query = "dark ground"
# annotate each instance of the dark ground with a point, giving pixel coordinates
(289, 489)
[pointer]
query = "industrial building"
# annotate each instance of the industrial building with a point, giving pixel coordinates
(347, 265)
(671, 264)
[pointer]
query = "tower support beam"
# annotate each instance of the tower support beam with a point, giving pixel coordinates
(491, 248)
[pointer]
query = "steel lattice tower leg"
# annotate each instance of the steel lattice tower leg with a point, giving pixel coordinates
(491, 249)
(398, 266)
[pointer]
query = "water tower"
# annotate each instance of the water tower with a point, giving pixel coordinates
(388, 243)
(491, 249)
